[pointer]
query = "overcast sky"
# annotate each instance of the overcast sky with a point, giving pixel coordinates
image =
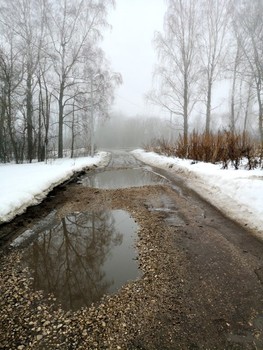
(129, 47)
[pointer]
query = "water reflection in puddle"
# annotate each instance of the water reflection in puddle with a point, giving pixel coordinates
(84, 256)
(123, 178)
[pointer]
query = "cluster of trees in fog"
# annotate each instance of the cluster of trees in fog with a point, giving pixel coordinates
(133, 132)
(204, 42)
(54, 78)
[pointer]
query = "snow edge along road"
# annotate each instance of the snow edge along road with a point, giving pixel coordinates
(24, 185)
(238, 194)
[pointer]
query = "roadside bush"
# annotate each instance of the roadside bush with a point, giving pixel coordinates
(161, 146)
(222, 147)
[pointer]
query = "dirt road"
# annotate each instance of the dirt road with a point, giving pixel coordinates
(201, 285)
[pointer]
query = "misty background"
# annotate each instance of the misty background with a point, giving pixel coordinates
(136, 118)
(85, 75)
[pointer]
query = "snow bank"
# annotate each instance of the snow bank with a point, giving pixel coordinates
(22, 185)
(237, 193)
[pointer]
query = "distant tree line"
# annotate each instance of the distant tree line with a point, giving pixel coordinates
(125, 132)
(54, 78)
(204, 42)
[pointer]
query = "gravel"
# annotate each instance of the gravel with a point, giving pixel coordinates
(177, 303)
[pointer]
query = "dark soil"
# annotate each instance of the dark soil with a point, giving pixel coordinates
(201, 284)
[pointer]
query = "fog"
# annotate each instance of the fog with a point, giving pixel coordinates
(121, 131)
(129, 47)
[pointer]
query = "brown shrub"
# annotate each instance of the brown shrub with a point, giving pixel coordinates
(222, 147)
(161, 146)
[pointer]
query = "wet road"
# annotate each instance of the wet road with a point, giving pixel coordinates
(123, 159)
(202, 282)
(222, 263)
(206, 214)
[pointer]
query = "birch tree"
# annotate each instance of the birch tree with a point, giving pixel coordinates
(72, 26)
(178, 71)
(236, 65)
(44, 108)
(214, 22)
(45, 46)
(94, 97)
(25, 18)
(11, 78)
(249, 28)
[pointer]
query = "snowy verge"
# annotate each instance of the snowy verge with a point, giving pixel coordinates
(23, 185)
(236, 193)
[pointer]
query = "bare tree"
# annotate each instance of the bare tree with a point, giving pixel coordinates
(44, 113)
(25, 19)
(241, 94)
(178, 74)
(45, 46)
(249, 28)
(11, 77)
(92, 98)
(233, 90)
(213, 42)
(72, 25)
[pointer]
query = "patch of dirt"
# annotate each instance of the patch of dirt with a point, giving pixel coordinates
(198, 289)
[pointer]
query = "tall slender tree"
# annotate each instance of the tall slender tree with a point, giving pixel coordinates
(12, 76)
(27, 25)
(178, 71)
(249, 29)
(45, 46)
(73, 25)
(213, 42)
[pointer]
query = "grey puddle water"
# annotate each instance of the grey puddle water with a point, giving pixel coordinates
(123, 178)
(86, 254)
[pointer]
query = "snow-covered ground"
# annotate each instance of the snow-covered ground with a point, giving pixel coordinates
(22, 185)
(237, 193)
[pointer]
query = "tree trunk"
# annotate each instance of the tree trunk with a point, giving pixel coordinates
(91, 120)
(232, 115)
(247, 108)
(46, 121)
(40, 112)
(208, 107)
(46, 116)
(60, 120)
(260, 112)
(10, 129)
(2, 125)
(185, 114)
(29, 117)
(72, 132)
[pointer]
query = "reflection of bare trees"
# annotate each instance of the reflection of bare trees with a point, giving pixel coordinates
(67, 260)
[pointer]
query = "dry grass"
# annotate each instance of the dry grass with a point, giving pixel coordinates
(222, 147)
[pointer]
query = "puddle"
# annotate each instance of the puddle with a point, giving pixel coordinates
(164, 204)
(252, 339)
(83, 256)
(161, 203)
(123, 178)
(258, 322)
(175, 219)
